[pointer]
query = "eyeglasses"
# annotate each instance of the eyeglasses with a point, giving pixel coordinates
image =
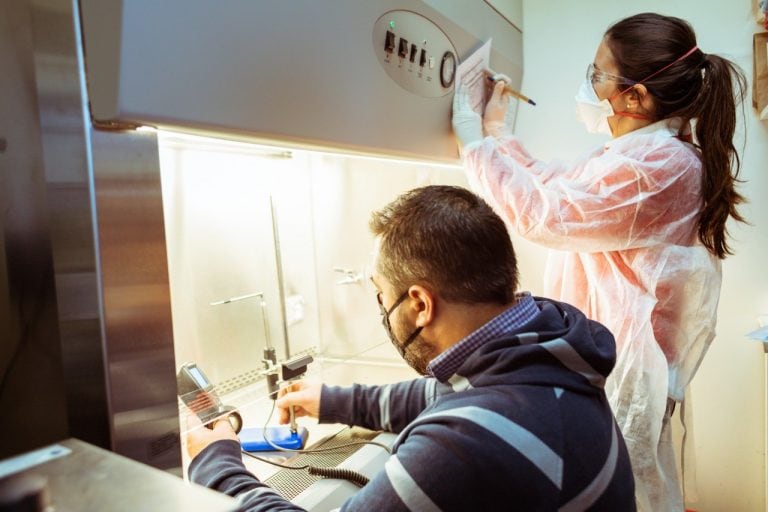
(598, 76)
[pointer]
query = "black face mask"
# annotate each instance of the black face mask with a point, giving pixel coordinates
(388, 327)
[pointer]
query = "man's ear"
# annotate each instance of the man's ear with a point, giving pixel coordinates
(422, 305)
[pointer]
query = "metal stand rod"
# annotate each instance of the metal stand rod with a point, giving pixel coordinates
(279, 264)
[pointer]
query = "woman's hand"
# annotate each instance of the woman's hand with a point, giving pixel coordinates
(467, 124)
(494, 118)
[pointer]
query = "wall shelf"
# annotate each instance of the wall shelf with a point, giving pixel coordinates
(760, 75)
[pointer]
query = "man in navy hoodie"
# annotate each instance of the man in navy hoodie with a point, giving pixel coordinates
(511, 415)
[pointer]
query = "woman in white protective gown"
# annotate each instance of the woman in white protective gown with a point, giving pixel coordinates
(637, 227)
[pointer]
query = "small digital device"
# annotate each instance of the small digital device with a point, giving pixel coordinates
(253, 439)
(197, 393)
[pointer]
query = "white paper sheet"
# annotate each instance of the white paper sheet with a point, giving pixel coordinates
(471, 72)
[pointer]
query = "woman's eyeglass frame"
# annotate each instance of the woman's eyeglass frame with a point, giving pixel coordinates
(598, 76)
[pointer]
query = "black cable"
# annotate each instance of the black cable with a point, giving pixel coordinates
(356, 478)
(339, 473)
(12, 361)
(23, 340)
(27, 324)
(316, 450)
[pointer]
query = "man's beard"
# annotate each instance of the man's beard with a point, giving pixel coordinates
(419, 353)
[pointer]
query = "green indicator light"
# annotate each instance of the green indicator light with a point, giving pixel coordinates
(391, 24)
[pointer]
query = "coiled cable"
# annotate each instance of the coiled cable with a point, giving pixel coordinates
(356, 478)
(340, 473)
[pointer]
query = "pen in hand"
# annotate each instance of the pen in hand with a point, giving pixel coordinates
(292, 413)
(514, 93)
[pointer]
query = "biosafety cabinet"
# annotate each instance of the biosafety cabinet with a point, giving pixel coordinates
(365, 77)
(208, 173)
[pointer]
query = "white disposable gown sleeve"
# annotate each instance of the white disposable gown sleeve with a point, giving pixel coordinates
(612, 200)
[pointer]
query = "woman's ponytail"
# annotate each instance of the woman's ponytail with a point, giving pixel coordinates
(697, 88)
(723, 88)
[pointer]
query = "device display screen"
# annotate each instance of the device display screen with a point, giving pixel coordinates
(198, 377)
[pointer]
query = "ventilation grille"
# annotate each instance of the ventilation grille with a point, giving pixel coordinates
(292, 482)
(249, 377)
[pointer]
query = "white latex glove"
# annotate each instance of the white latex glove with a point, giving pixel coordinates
(494, 117)
(467, 124)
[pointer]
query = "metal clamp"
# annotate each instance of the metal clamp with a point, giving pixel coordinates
(350, 276)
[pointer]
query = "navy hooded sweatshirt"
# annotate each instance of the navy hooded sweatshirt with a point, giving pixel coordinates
(524, 424)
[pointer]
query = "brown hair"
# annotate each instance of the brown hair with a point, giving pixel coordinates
(449, 238)
(701, 87)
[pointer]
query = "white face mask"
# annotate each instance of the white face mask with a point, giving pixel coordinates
(592, 111)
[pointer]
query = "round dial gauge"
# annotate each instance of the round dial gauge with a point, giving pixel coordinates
(447, 69)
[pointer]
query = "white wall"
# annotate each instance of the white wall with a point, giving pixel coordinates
(560, 39)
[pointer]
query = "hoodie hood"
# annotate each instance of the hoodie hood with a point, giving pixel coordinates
(560, 337)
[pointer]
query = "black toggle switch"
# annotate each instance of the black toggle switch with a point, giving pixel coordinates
(413, 53)
(402, 49)
(389, 42)
(423, 57)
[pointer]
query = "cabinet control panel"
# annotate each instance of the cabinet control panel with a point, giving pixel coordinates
(415, 53)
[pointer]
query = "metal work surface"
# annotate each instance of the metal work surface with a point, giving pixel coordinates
(89, 478)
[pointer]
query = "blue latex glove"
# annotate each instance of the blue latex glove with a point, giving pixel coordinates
(467, 124)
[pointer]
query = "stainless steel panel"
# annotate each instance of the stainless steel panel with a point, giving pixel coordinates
(67, 177)
(107, 241)
(137, 324)
(32, 400)
(300, 72)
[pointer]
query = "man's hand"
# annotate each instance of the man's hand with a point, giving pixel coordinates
(467, 124)
(199, 437)
(303, 396)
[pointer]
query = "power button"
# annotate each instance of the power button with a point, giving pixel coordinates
(389, 42)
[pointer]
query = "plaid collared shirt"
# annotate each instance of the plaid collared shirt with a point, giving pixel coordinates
(445, 365)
